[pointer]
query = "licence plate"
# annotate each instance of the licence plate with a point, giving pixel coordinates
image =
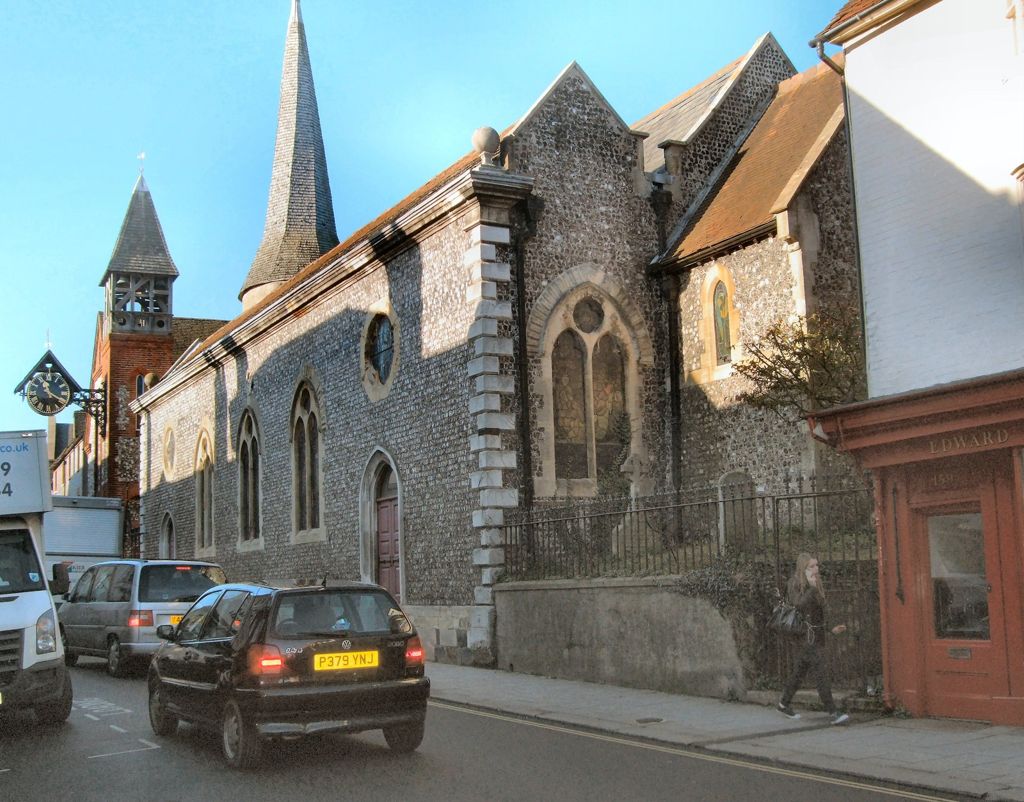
(339, 661)
(175, 620)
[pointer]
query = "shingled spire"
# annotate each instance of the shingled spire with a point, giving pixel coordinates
(140, 273)
(300, 218)
(140, 247)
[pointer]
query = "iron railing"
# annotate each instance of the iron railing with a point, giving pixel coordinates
(679, 532)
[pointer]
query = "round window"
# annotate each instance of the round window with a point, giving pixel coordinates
(588, 315)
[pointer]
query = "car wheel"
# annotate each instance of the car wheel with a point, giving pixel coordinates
(57, 712)
(239, 741)
(117, 662)
(70, 657)
(404, 738)
(162, 722)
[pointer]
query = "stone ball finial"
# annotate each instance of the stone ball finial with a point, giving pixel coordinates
(149, 380)
(486, 142)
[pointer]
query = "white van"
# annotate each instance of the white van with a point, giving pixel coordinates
(32, 671)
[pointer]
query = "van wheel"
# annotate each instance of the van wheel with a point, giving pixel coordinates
(162, 722)
(239, 741)
(404, 738)
(57, 712)
(70, 657)
(117, 662)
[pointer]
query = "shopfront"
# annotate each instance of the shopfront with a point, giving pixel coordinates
(949, 501)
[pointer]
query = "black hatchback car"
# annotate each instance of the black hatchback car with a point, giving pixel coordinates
(263, 661)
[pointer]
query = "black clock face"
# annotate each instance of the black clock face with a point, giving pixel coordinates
(48, 393)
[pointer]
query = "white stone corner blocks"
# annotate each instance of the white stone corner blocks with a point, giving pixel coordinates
(485, 282)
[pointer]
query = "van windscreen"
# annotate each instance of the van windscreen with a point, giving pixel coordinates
(19, 567)
(178, 583)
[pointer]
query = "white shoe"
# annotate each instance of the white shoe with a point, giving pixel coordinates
(840, 718)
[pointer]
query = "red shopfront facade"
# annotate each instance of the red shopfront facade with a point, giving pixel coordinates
(949, 501)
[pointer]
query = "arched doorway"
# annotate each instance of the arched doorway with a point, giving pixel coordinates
(387, 534)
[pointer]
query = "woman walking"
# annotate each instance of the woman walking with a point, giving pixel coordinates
(807, 594)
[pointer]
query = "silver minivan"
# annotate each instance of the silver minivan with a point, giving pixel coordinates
(115, 607)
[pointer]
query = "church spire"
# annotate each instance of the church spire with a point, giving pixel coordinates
(300, 218)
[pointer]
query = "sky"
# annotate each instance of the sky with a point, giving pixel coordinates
(85, 87)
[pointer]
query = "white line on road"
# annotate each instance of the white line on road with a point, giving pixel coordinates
(90, 715)
(3, 770)
(148, 746)
(117, 729)
(695, 755)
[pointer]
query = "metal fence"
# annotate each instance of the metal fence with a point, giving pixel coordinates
(680, 532)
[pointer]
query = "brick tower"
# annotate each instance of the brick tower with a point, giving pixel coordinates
(134, 342)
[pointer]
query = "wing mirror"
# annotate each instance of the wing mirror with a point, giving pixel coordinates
(165, 632)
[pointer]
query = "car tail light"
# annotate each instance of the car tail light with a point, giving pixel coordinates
(140, 618)
(414, 651)
(265, 661)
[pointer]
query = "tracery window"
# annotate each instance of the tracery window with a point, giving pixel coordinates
(249, 479)
(204, 492)
(305, 460)
(592, 425)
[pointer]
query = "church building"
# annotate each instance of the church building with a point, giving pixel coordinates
(555, 316)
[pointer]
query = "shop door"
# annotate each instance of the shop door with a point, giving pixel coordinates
(965, 650)
(387, 546)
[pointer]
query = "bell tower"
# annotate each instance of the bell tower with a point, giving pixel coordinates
(137, 282)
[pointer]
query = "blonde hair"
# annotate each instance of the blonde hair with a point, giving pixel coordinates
(802, 561)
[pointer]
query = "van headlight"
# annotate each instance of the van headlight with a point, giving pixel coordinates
(46, 629)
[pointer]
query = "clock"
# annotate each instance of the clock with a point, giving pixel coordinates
(48, 393)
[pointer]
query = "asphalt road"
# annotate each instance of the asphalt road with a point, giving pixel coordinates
(108, 752)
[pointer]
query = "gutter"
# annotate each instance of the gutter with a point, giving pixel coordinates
(819, 41)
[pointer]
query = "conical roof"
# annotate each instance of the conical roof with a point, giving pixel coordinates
(140, 247)
(300, 217)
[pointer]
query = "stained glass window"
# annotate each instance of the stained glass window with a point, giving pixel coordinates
(723, 341)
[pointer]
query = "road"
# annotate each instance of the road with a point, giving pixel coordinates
(108, 752)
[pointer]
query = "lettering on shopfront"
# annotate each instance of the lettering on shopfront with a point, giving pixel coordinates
(959, 442)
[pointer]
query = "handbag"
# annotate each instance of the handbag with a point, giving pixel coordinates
(786, 619)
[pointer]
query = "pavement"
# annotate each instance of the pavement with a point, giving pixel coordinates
(964, 758)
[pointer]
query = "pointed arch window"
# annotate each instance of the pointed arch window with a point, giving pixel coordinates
(723, 338)
(249, 485)
(204, 493)
(591, 417)
(305, 460)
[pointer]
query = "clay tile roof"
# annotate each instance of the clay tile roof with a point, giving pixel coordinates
(849, 11)
(676, 118)
(766, 164)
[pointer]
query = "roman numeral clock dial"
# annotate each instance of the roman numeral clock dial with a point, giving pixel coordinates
(48, 393)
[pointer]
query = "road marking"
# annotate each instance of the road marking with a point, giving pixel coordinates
(3, 770)
(672, 750)
(90, 715)
(117, 729)
(100, 707)
(148, 746)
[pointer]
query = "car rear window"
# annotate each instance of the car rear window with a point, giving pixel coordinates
(178, 583)
(336, 612)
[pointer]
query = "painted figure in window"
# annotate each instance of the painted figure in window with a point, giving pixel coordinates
(723, 342)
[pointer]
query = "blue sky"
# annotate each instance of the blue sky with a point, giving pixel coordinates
(401, 86)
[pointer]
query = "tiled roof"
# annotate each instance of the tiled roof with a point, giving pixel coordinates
(186, 330)
(766, 164)
(300, 216)
(849, 11)
(140, 246)
(676, 118)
